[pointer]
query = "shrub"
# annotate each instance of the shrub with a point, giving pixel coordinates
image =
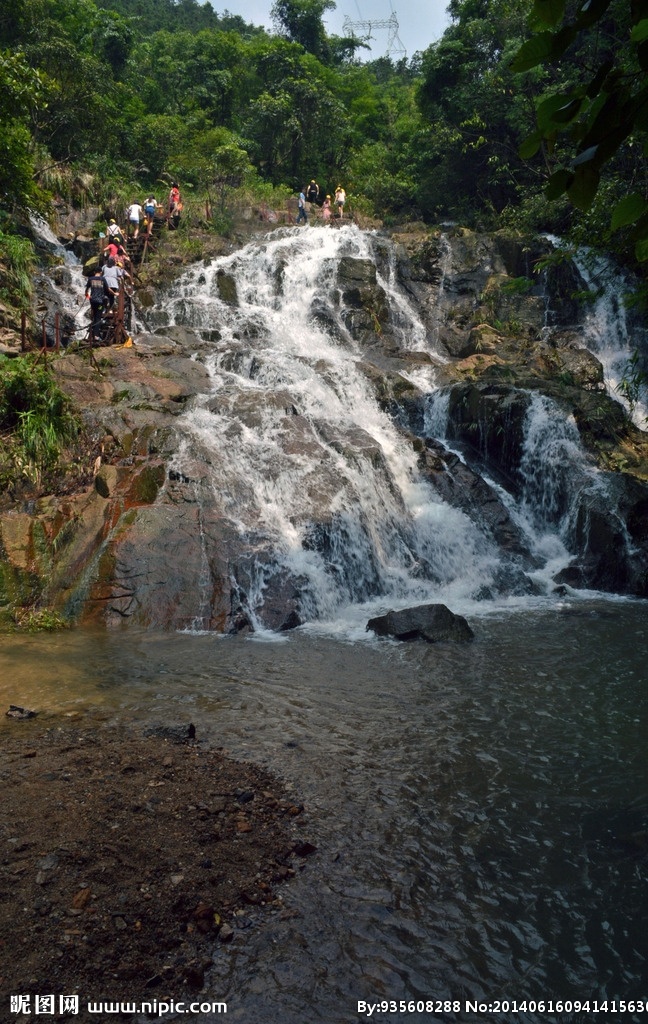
(36, 421)
(17, 263)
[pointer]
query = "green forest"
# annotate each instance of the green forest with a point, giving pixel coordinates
(529, 115)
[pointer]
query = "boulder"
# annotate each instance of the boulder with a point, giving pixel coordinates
(490, 419)
(354, 272)
(226, 285)
(431, 622)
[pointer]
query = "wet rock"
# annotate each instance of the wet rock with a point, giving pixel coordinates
(19, 713)
(579, 366)
(226, 285)
(565, 289)
(155, 344)
(465, 489)
(431, 622)
(186, 338)
(355, 271)
(225, 933)
(604, 520)
(490, 418)
(303, 848)
(175, 733)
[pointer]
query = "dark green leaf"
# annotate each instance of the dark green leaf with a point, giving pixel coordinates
(530, 146)
(567, 113)
(583, 188)
(640, 32)
(590, 12)
(586, 157)
(641, 250)
(558, 184)
(561, 40)
(549, 12)
(548, 107)
(533, 52)
(596, 84)
(628, 210)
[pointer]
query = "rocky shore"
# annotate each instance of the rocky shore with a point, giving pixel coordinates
(131, 860)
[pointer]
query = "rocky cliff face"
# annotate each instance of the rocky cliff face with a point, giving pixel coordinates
(153, 544)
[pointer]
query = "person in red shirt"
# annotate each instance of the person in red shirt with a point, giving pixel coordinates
(175, 204)
(118, 253)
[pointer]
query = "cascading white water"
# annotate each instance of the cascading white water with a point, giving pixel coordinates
(43, 231)
(608, 329)
(65, 285)
(554, 473)
(314, 474)
(553, 465)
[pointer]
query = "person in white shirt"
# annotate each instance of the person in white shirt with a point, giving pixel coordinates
(114, 232)
(134, 212)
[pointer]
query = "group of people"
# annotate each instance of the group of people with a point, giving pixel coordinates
(143, 214)
(313, 195)
(102, 287)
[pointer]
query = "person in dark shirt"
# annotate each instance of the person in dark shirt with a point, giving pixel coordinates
(96, 291)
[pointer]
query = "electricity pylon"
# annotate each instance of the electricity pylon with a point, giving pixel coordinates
(362, 31)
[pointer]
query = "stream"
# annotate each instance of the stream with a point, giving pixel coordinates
(479, 810)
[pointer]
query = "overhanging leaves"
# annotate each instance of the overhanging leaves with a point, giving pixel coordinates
(558, 184)
(628, 210)
(584, 185)
(549, 12)
(640, 32)
(533, 52)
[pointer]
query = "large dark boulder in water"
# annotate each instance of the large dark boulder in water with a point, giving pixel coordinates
(431, 622)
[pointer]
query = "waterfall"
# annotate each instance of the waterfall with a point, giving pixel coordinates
(554, 473)
(314, 501)
(553, 465)
(556, 476)
(334, 510)
(316, 478)
(47, 240)
(609, 329)
(62, 289)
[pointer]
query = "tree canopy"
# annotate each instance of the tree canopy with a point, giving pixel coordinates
(500, 121)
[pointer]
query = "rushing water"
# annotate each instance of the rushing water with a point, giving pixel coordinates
(479, 810)
(612, 329)
(313, 473)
